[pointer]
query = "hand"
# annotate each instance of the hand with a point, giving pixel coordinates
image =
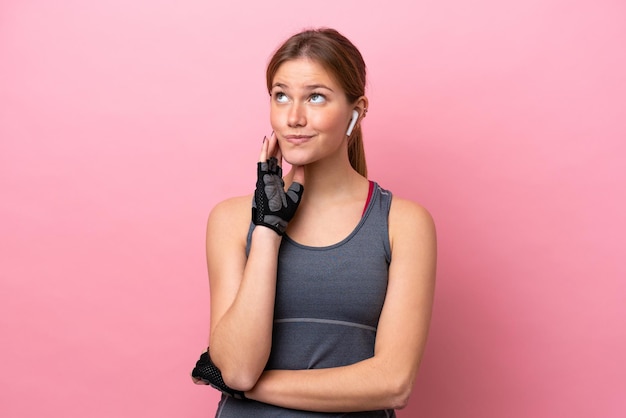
(272, 206)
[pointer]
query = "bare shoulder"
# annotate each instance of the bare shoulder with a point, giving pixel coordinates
(411, 231)
(232, 208)
(229, 217)
(406, 216)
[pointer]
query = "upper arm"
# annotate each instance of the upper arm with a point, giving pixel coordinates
(405, 318)
(226, 233)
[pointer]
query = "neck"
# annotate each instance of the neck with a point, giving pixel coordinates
(329, 179)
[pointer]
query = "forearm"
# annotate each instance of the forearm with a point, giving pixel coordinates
(364, 386)
(241, 339)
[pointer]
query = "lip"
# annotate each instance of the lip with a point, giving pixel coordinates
(298, 139)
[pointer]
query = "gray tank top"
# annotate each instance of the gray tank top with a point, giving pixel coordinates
(328, 302)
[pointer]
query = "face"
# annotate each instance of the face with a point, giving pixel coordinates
(309, 112)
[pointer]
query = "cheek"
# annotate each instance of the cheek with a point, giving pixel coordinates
(279, 118)
(274, 118)
(330, 122)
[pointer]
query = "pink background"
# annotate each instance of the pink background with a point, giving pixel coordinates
(123, 122)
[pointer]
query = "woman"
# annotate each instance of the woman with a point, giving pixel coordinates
(322, 303)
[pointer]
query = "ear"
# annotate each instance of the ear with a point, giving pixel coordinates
(361, 106)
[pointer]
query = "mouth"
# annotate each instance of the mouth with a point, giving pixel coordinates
(297, 139)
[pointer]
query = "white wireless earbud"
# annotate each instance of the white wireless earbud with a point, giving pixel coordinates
(353, 121)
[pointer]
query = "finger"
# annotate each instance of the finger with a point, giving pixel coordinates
(264, 150)
(272, 146)
(198, 381)
(298, 174)
(274, 149)
(294, 193)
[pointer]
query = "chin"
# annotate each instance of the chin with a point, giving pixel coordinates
(297, 158)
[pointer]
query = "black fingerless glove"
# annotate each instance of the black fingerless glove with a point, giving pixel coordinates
(272, 206)
(208, 372)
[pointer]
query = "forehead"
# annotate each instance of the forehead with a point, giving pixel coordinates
(303, 72)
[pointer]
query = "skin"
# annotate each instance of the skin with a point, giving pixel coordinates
(310, 115)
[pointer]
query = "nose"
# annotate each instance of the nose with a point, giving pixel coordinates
(297, 116)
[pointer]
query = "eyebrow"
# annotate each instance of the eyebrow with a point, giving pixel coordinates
(309, 87)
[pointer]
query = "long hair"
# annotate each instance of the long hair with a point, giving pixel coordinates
(343, 60)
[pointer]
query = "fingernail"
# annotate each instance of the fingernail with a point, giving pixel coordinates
(264, 139)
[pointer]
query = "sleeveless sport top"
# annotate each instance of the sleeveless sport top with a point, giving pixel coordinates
(328, 302)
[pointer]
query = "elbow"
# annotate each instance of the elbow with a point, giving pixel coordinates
(240, 380)
(400, 400)
(237, 376)
(399, 393)
(239, 373)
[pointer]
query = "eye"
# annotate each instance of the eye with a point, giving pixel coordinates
(280, 97)
(317, 98)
